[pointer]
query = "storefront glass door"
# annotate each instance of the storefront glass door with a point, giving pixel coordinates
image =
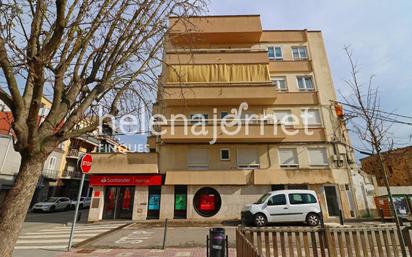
(180, 202)
(118, 203)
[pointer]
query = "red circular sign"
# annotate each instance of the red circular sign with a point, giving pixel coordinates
(86, 163)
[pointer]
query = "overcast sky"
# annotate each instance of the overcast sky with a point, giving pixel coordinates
(379, 32)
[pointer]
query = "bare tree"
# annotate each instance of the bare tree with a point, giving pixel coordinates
(84, 55)
(371, 124)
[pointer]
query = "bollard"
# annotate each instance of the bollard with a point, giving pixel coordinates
(382, 215)
(79, 216)
(341, 217)
(217, 243)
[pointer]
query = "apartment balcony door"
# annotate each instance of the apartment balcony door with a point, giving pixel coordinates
(118, 202)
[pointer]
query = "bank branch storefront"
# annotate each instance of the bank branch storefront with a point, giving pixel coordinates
(125, 186)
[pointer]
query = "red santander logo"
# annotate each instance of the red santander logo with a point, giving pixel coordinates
(86, 163)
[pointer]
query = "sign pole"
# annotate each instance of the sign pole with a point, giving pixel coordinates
(84, 165)
(76, 212)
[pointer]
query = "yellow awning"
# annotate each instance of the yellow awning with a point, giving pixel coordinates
(218, 73)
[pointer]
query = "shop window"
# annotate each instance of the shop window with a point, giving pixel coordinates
(207, 202)
(153, 208)
(180, 210)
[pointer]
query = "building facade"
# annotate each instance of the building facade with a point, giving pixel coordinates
(219, 69)
(399, 171)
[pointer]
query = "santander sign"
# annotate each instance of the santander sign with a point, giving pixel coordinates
(85, 163)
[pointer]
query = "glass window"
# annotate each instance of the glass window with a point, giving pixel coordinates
(318, 156)
(305, 83)
(288, 158)
(198, 118)
(301, 199)
(52, 163)
(311, 117)
(271, 52)
(263, 198)
(224, 154)
(283, 117)
(279, 83)
(277, 200)
(275, 53)
(299, 53)
(223, 115)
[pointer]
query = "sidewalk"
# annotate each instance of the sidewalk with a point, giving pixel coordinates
(172, 252)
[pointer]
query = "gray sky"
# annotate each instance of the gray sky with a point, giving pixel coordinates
(379, 32)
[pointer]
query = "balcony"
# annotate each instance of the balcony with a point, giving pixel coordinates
(73, 154)
(267, 133)
(217, 57)
(220, 95)
(296, 176)
(209, 177)
(122, 163)
(50, 174)
(290, 66)
(297, 98)
(283, 36)
(215, 29)
(69, 174)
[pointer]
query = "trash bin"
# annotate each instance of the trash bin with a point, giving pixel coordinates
(217, 246)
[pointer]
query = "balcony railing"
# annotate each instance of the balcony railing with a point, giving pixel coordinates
(72, 174)
(73, 153)
(49, 173)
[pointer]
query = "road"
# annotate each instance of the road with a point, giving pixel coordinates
(47, 234)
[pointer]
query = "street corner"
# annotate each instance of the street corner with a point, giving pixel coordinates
(172, 252)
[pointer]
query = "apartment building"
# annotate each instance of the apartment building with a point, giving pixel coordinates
(216, 67)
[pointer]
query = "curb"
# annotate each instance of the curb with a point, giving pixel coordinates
(88, 240)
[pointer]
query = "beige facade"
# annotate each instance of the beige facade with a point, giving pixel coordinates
(231, 61)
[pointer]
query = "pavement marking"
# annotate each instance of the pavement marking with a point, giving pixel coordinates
(58, 237)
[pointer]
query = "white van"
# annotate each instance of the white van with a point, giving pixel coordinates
(284, 206)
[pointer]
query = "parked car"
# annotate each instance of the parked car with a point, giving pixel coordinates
(84, 202)
(284, 206)
(53, 204)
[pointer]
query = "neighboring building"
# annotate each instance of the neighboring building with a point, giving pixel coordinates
(218, 62)
(10, 163)
(398, 164)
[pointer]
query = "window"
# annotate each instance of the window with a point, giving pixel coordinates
(318, 157)
(275, 53)
(207, 202)
(247, 158)
(52, 163)
(277, 200)
(299, 53)
(198, 118)
(223, 115)
(311, 117)
(301, 199)
(197, 159)
(305, 83)
(279, 83)
(224, 154)
(288, 158)
(283, 117)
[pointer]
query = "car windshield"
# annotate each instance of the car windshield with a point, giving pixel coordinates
(51, 200)
(263, 198)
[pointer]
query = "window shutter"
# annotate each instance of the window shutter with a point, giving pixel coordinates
(288, 157)
(247, 157)
(197, 158)
(318, 157)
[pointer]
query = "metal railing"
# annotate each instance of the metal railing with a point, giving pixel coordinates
(49, 173)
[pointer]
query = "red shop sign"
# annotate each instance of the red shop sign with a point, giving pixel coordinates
(125, 180)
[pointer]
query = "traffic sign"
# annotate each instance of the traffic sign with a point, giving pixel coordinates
(85, 163)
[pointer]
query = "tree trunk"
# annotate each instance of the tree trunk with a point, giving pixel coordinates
(17, 201)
